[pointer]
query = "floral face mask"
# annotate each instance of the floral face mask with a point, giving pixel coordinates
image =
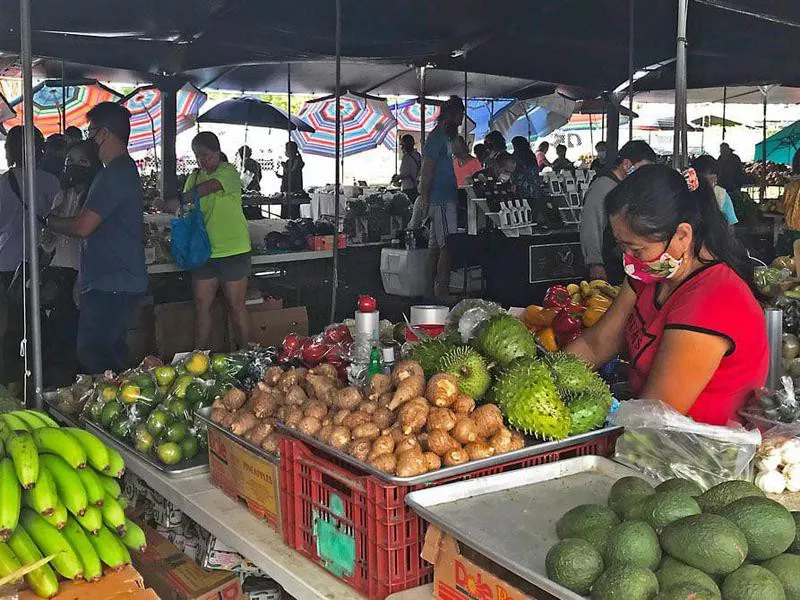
(651, 271)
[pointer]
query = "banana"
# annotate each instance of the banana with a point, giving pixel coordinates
(117, 468)
(51, 541)
(14, 423)
(42, 497)
(44, 417)
(585, 288)
(134, 537)
(93, 486)
(9, 563)
(110, 484)
(50, 440)
(573, 288)
(96, 451)
(59, 517)
(42, 580)
(2, 448)
(110, 549)
(22, 450)
(10, 498)
(608, 290)
(30, 419)
(69, 486)
(123, 502)
(113, 515)
(91, 521)
(596, 283)
(76, 536)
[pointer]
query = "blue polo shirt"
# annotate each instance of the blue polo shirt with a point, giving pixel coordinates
(444, 187)
(112, 257)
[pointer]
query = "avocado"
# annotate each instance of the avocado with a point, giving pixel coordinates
(688, 591)
(672, 573)
(625, 582)
(597, 536)
(677, 484)
(752, 582)
(662, 508)
(767, 525)
(574, 523)
(707, 542)
(574, 564)
(633, 543)
(626, 492)
(786, 567)
(719, 496)
(795, 547)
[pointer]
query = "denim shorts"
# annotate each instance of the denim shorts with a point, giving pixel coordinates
(227, 268)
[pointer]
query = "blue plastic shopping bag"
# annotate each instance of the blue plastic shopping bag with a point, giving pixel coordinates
(191, 247)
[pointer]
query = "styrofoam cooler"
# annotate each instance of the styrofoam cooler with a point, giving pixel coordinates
(405, 272)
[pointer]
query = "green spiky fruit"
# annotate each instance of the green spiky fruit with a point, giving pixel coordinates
(429, 354)
(503, 338)
(527, 395)
(574, 377)
(469, 368)
(589, 411)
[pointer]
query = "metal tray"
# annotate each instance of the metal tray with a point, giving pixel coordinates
(204, 415)
(533, 449)
(510, 517)
(186, 468)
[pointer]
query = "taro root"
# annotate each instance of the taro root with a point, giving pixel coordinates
(315, 408)
(348, 398)
(288, 379)
(228, 420)
(359, 448)
(517, 441)
(320, 385)
(385, 399)
(441, 418)
(378, 385)
(339, 437)
(272, 376)
(465, 431)
(407, 443)
(384, 462)
(355, 419)
(383, 418)
(456, 457)
(479, 449)
(406, 369)
(264, 405)
(442, 389)
(368, 431)
(440, 442)
(488, 419)
(218, 414)
(243, 423)
(368, 407)
(412, 417)
(309, 425)
(501, 441)
(432, 461)
(340, 415)
(326, 370)
(295, 395)
(409, 380)
(272, 443)
(410, 464)
(234, 399)
(463, 405)
(293, 416)
(259, 433)
(382, 445)
(324, 434)
(218, 403)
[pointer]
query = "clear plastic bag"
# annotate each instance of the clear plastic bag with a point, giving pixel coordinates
(662, 443)
(466, 316)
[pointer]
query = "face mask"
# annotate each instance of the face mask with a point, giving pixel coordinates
(601, 154)
(653, 271)
(75, 175)
(631, 170)
(504, 177)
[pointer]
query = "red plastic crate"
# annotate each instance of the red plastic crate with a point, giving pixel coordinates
(359, 528)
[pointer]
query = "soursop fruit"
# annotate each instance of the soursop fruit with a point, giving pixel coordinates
(429, 354)
(503, 338)
(588, 411)
(469, 368)
(574, 377)
(527, 395)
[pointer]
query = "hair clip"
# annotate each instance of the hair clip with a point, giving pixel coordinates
(692, 182)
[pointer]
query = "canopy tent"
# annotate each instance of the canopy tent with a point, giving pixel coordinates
(144, 104)
(535, 118)
(781, 146)
(57, 104)
(365, 122)
(662, 124)
(714, 121)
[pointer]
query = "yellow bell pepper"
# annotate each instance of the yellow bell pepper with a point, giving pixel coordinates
(593, 315)
(547, 338)
(599, 301)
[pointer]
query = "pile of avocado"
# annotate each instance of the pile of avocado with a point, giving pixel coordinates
(676, 542)
(153, 410)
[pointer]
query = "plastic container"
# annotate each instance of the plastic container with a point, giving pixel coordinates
(359, 527)
(405, 272)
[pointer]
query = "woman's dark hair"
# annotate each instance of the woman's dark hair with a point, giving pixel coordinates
(14, 145)
(705, 165)
(796, 162)
(207, 140)
(522, 152)
(495, 141)
(655, 199)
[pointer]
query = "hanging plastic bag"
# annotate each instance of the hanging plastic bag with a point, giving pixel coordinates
(191, 247)
(662, 443)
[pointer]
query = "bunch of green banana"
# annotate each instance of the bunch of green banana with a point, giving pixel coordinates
(59, 497)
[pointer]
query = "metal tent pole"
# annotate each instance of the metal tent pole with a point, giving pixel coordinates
(337, 153)
(422, 107)
(63, 122)
(169, 133)
(724, 112)
(466, 99)
(289, 125)
(680, 139)
(762, 192)
(32, 350)
(631, 32)
(396, 140)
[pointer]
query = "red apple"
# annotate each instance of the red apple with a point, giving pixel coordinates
(314, 351)
(366, 304)
(292, 343)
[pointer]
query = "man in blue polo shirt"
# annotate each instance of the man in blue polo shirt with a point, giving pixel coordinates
(113, 276)
(438, 191)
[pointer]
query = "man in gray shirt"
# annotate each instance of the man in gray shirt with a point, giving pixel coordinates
(600, 254)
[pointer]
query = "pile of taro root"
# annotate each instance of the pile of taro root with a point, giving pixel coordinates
(399, 424)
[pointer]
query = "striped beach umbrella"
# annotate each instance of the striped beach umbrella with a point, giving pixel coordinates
(408, 115)
(73, 100)
(144, 103)
(366, 120)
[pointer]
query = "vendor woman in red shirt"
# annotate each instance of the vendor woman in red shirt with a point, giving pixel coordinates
(693, 330)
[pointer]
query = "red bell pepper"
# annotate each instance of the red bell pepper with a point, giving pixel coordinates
(566, 340)
(557, 296)
(568, 320)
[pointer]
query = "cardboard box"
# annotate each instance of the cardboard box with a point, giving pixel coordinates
(174, 576)
(268, 326)
(213, 554)
(174, 327)
(463, 574)
(117, 585)
(244, 476)
(325, 242)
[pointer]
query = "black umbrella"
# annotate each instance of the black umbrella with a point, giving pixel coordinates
(253, 112)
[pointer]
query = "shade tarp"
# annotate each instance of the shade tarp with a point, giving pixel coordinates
(781, 146)
(255, 112)
(534, 118)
